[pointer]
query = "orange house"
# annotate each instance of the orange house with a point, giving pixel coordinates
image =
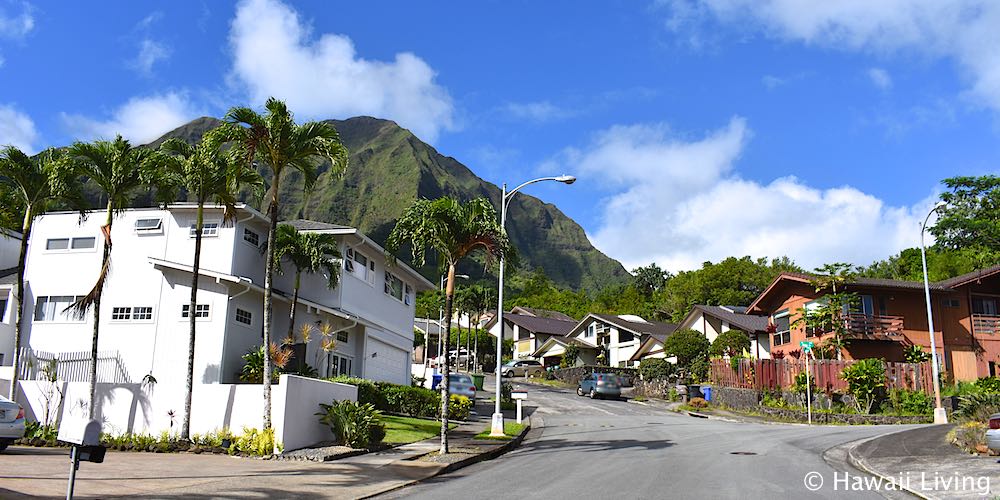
(892, 315)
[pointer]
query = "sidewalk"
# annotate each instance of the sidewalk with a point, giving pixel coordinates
(42, 472)
(925, 464)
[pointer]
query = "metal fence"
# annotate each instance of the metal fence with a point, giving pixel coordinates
(775, 374)
(73, 366)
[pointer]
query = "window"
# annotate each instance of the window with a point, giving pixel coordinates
(393, 286)
(985, 306)
(149, 225)
(360, 266)
(3, 308)
(251, 237)
(53, 308)
(244, 317)
(408, 295)
(57, 244)
(200, 311)
(121, 314)
(131, 313)
(208, 229)
(952, 303)
(782, 334)
(371, 272)
(591, 330)
(83, 243)
(339, 365)
(142, 313)
(342, 336)
(625, 336)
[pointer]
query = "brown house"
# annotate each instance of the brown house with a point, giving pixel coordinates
(892, 315)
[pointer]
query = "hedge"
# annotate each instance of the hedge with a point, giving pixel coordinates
(405, 399)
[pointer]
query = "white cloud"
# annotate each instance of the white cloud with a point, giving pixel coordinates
(141, 119)
(150, 52)
(772, 82)
(538, 111)
(274, 55)
(963, 30)
(17, 26)
(880, 78)
(678, 201)
(17, 129)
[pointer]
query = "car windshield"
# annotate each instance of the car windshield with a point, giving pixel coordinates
(510, 363)
(463, 379)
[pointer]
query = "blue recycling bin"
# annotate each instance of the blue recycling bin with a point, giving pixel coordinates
(435, 380)
(707, 391)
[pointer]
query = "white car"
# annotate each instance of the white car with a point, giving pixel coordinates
(461, 384)
(993, 433)
(11, 422)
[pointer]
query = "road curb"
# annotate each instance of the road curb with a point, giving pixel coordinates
(857, 461)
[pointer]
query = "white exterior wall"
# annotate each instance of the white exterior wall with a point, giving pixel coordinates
(712, 327)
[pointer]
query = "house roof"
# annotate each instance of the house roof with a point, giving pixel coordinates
(739, 320)
(647, 346)
(542, 313)
(541, 325)
(637, 327)
(562, 341)
(312, 225)
(969, 277)
(8, 276)
(427, 325)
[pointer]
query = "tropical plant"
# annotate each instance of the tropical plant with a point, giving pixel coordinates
(570, 356)
(656, 369)
(453, 230)
(358, 425)
(915, 354)
(30, 186)
(988, 385)
(310, 253)
(799, 385)
(119, 170)
(865, 382)
(208, 175)
(278, 144)
(731, 343)
(907, 402)
(686, 345)
(253, 363)
(827, 315)
(978, 407)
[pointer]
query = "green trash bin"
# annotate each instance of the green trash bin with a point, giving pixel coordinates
(478, 379)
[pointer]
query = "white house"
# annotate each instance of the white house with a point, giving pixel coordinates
(493, 327)
(619, 335)
(713, 320)
(10, 247)
(144, 309)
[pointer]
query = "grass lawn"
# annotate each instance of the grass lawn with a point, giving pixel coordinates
(511, 429)
(551, 383)
(402, 430)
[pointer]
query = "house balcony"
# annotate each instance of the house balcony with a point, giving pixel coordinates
(985, 324)
(864, 327)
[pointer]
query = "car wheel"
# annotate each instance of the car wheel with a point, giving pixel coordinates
(3, 444)
(508, 374)
(579, 391)
(593, 394)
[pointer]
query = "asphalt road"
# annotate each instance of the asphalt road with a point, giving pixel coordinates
(618, 449)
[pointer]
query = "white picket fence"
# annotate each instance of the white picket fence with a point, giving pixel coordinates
(73, 366)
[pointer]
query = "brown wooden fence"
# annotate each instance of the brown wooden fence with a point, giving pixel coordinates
(774, 374)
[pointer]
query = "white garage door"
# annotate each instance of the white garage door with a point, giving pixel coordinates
(386, 362)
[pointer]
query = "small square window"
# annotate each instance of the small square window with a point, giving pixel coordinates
(142, 313)
(952, 303)
(83, 243)
(342, 336)
(121, 314)
(244, 317)
(148, 225)
(57, 244)
(251, 237)
(207, 229)
(201, 310)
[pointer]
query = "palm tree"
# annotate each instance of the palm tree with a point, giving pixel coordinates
(279, 144)
(208, 175)
(453, 231)
(480, 299)
(309, 253)
(119, 171)
(31, 186)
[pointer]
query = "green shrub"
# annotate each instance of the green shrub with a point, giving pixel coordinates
(253, 367)
(915, 354)
(773, 400)
(907, 402)
(368, 392)
(656, 369)
(969, 436)
(865, 383)
(978, 407)
(570, 356)
(960, 389)
(459, 407)
(213, 439)
(990, 385)
(254, 443)
(358, 425)
(732, 343)
(698, 369)
(413, 401)
(686, 345)
(799, 384)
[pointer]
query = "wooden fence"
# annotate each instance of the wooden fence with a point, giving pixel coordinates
(73, 366)
(775, 374)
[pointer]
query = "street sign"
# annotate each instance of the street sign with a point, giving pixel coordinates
(806, 345)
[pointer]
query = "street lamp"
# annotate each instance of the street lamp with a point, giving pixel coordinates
(940, 416)
(506, 196)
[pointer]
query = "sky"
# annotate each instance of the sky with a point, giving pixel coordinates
(698, 129)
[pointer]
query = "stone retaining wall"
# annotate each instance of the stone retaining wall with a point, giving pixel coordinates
(841, 418)
(741, 399)
(573, 375)
(653, 388)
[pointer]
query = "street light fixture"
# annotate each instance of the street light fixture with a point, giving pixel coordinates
(940, 416)
(506, 196)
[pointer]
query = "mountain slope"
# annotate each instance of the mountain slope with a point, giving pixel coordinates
(390, 167)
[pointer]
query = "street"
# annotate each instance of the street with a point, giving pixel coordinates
(608, 449)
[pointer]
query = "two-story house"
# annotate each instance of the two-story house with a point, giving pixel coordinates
(891, 315)
(619, 337)
(714, 320)
(145, 306)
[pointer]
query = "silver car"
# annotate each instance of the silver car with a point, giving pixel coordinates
(993, 433)
(11, 422)
(461, 384)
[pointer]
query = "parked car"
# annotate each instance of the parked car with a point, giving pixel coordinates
(522, 368)
(993, 433)
(599, 385)
(462, 385)
(11, 422)
(455, 356)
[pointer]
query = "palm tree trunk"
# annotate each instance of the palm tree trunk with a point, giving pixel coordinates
(192, 321)
(268, 284)
(291, 312)
(445, 386)
(97, 317)
(19, 326)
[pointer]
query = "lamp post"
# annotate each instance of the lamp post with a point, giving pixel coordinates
(506, 196)
(940, 416)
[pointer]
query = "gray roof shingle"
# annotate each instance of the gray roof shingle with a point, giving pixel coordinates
(312, 225)
(8, 276)
(650, 328)
(541, 325)
(749, 323)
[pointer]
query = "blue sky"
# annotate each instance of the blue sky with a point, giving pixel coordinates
(698, 128)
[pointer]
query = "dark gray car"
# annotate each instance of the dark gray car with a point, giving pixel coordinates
(603, 385)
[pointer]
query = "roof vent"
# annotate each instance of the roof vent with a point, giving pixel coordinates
(632, 318)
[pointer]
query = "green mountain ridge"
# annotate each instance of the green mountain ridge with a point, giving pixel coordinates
(390, 167)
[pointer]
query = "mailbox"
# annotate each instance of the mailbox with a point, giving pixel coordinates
(80, 431)
(518, 394)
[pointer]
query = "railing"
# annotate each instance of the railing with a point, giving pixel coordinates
(982, 323)
(775, 374)
(73, 366)
(863, 326)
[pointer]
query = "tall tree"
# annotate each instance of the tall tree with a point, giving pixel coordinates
(828, 315)
(452, 230)
(971, 217)
(279, 145)
(30, 187)
(119, 170)
(310, 253)
(650, 279)
(209, 176)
